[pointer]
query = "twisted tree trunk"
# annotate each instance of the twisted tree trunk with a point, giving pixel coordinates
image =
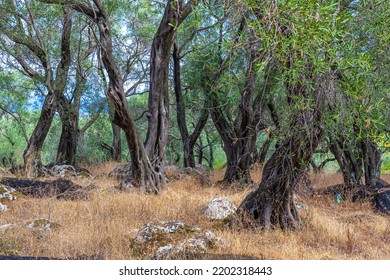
(272, 203)
(176, 11)
(32, 153)
(67, 148)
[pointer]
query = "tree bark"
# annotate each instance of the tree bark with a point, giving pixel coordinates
(157, 135)
(67, 148)
(264, 151)
(371, 161)
(32, 153)
(116, 143)
(188, 139)
(116, 151)
(272, 203)
(239, 136)
(350, 163)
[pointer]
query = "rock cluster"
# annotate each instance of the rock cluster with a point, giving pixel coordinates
(60, 188)
(66, 171)
(6, 192)
(174, 240)
(42, 225)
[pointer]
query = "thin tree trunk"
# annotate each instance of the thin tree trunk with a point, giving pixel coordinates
(67, 148)
(211, 151)
(371, 162)
(188, 140)
(157, 135)
(350, 163)
(32, 154)
(116, 143)
(116, 148)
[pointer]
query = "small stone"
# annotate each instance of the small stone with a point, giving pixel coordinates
(4, 228)
(3, 208)
(219, 208)
(6, 192)
(301, 206)
(42, 225)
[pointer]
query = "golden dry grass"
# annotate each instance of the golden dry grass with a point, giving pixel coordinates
(103, 227)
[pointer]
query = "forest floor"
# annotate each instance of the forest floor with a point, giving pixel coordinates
(104, 226)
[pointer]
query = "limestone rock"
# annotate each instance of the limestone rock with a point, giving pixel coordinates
(6, 227)
(173, 240)
(219, 208)
(7, 193)
(3, 208)
(63, 171)
(199, 172)
(121, 171)
(42, 225)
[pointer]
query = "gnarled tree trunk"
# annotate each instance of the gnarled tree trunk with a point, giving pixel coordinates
(32, 153)
(350, 162)
(371, 161)
(157, 136)
(67, 147)
(272, 203)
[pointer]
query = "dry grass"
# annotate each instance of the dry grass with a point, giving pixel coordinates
(103, 227)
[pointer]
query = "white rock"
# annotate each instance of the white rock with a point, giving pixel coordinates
(63, 170)
(4, 228)
(7, 192)
(42, 225)
(3, 208)
(219, 208)
(186, 239)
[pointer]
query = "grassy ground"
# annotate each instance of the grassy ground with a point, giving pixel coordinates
(103, 227)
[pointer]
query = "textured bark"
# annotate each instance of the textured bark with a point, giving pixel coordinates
(143, 175)
(371, 161)
(272, 203)
(116, 147)
(32, 153)
(157, 135)
(32, 160)
(188, 139)
(239, 136)
(116, 143)
(66, 152)
(350, 163)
